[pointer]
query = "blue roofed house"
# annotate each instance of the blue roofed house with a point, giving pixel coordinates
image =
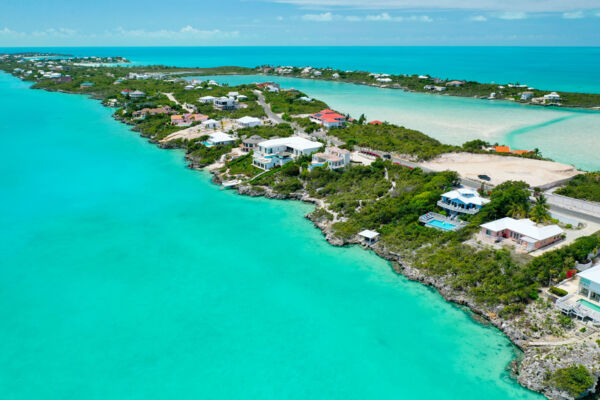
(462, 201)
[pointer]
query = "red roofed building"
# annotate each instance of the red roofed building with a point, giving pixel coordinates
(375, 123)
(329, 119)
(502, 149)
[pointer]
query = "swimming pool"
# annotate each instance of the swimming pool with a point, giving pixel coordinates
(441, 225)
(589, 305)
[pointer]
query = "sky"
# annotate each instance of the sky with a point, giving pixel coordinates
(299, 23)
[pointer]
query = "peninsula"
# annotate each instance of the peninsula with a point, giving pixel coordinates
(486, 241)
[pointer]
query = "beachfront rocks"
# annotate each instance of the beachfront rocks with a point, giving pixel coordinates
(539, 321)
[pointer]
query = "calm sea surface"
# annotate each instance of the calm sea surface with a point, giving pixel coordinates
(125, 275)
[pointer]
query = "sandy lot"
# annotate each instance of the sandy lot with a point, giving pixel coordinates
(502, 168)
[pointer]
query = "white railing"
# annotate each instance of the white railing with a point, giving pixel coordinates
(462, 210)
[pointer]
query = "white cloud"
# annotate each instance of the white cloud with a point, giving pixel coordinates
(573, 15)
(380, 17)
(388, 17)
(187, 32)
(491, 5)
(352, 18)
(279, 18)
(513, 15)
(478, 18)
(325, 17)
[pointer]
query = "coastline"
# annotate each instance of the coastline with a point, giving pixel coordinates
(405, 89)
(398, 265)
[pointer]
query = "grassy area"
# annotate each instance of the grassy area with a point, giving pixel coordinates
(584, 186)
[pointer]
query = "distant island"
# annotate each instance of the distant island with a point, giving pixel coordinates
(486, 241)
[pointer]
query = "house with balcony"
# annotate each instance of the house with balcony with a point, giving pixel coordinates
(277, 152)
(525, 233)
(250, 143)
(333, 157)
(225, 103)
(462, 201)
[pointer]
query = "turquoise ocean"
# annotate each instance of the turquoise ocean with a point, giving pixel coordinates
(127, 276)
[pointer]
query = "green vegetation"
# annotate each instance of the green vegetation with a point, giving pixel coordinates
(393, 138)
(306, 124)
(241, 166)
(558, 291)
(268, 131)
(290, 102)
(574, 380)
(584, 186)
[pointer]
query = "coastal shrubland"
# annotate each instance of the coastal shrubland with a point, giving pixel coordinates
(392, 138)
(575, 380)
(268, 131)
(291, 102)
(584, 186)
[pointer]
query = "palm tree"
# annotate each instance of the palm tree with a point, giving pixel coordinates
(540, 209)
(518, 210)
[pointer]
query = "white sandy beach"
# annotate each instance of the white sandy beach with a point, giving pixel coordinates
(502, 168)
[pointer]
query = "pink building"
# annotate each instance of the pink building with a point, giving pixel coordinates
(523, 232)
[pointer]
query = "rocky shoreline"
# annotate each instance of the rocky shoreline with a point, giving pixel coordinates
(531, 368)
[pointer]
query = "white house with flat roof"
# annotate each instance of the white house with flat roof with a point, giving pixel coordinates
(462, 201)
(368, 237)
(524, 232)
(277, 152)
(249, 122)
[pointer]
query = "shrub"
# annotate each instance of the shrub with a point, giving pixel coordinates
(574, 380)
(558, 291)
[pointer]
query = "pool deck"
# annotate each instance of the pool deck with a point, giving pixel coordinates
(426, 220)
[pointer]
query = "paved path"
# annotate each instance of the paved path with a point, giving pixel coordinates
(272, 116)
(174, 100)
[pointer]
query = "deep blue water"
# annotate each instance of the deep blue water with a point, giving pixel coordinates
(557, 68)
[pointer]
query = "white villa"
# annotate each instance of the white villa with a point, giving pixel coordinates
(462, 201)
(277, 152)
(219, 137)
(206, 99)
(136, 94)
(524, 232)
(551, 97)
(333, 156)
(225, 103)
(210, 124)
(589, 283)
(583, 300)
(249, 122)
(526, 95)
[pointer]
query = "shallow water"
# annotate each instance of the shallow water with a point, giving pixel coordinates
(127, 276)
(570, 136)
